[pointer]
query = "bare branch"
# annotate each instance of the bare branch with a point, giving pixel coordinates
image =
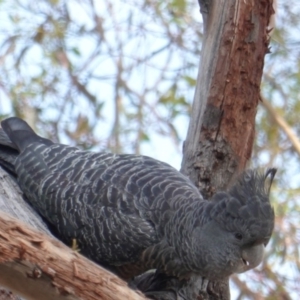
(286, 128)
(245, 290)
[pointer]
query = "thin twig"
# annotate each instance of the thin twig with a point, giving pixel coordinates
(282, 124)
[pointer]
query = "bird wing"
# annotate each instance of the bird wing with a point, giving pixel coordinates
(91, 197)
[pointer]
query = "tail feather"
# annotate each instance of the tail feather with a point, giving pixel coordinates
(21, 134)
(8, 153)
(15, 136)
(5, 141)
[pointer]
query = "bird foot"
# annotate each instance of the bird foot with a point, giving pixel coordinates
(193, 287)
(75, 246)
(159, 286)
(204, 284)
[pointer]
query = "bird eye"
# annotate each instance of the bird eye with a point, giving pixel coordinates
(238, 236)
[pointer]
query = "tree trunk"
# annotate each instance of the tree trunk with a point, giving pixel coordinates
(221, 132)
(222, 125)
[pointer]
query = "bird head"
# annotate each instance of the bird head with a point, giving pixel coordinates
(239, 226)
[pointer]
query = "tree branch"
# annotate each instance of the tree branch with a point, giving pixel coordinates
(245, 290)
(282, 124)
(37, 266)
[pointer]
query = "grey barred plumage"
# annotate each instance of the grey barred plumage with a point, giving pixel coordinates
(131, 213)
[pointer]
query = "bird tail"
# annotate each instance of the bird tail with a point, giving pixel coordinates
(15, 136)
(21, 134)
(8, 153)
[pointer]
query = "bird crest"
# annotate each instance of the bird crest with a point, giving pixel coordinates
(246, 206)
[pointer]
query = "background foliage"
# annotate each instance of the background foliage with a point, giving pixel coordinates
(120, 75)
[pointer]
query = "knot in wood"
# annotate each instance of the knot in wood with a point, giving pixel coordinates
(36, 273)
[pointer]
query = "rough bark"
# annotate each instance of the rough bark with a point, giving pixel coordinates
(37, 266)
(222, 125)
(221, 132)
(12, 203)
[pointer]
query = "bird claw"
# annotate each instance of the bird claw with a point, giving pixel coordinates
(159, 286)
(193, 287)
(204, 284)
(75, 246)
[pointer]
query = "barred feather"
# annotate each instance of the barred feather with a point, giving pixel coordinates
(132, 213)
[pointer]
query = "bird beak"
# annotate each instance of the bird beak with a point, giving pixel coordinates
(252, 256)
